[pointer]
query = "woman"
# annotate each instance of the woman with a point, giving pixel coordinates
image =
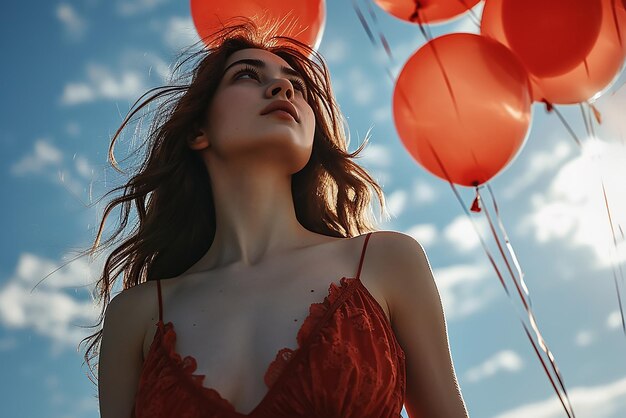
(247, 289)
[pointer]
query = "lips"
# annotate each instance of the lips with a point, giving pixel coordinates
(282, 105)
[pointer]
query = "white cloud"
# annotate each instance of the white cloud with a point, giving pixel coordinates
(74, 25)
(43, 156)
(48, 309)
(132, 7)
(382, 114)
(539, 164)
(83, 167)
(502, 361)
(178, 32)
(361, 87)
(461, 234)
(464, 289)
(102, 84)
(334, 51)
(130, 83)
(573, 210)
(376, 155)
(614, 320)
(396, 202)
(600, 401)
(584, 338)
(425, 234)
(423, 193)
(377, 160)
(75, 93)
(46, 162)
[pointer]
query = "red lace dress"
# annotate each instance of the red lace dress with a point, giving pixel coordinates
(348, 364)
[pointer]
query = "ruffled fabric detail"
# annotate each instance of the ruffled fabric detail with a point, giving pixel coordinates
(316, 314)
(348, 364)
(170, 385)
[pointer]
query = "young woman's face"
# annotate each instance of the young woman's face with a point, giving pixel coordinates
(237, 125)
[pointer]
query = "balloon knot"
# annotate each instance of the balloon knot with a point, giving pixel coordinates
(476, 204)
(549, 106)
(416, 14)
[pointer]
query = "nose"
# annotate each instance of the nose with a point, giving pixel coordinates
(278, 87)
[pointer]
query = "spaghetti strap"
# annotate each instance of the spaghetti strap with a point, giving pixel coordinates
(363, 254)
(160, 304)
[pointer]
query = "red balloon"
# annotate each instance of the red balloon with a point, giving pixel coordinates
(551, 36)
(429, 11)
(591, 76)
(304, 20)
(463, 99)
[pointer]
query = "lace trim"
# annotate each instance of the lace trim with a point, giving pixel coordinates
(188, 366)
(316, 313)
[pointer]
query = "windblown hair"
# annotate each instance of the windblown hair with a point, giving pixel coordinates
(172, 190)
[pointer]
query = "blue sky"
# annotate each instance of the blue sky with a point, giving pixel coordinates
(71, 71)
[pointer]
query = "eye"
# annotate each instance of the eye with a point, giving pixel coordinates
(298, 84)
(246, 70)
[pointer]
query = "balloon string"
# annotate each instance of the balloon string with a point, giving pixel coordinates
(499, 274)
(528, 309)
(381, 36)
(615, 264)
(504, 258)
(483, 244)
(370, 35)
(475, 19)
(509, 247)
(550, 108)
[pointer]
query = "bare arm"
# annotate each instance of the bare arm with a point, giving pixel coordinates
(420, 327)
(121, 357)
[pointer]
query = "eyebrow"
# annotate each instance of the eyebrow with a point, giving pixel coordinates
(261, 64)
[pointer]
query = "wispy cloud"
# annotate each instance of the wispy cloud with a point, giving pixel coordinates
(48, 310)
(614, 320)
(584, 338)
(361, 87)
(600, 401)
(47, 162)
(74, 25)
(540, 165)
(43, 157)
(573, 211)
(102, 84)
(507, 361)
(461, 234)
(130, 82)
(464, 289)
(425, 234)
(396, 202)
(178, 32)
(423, 192)
(132, 7)
(376, 155)
(334, 51)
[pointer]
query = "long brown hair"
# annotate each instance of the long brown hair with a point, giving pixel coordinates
(171, 190)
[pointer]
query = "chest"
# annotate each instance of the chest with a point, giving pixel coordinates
(235, 328)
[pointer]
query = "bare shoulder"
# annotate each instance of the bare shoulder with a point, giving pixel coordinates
(134, 307)
(388, 249)
(121, 355)
(394, 257)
